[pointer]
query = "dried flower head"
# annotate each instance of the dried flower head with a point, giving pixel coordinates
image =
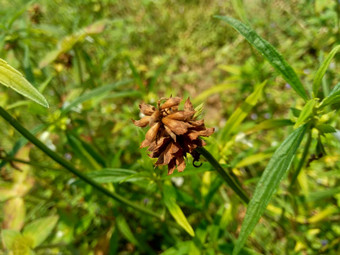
(173, 133)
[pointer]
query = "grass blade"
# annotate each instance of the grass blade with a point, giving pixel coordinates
(270, 180)
(322, 70)
(13, 79)
(270, 53)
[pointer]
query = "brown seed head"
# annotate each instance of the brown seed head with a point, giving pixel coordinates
(173, 133)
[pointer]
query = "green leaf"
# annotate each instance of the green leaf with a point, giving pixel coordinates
(322, 70)
(40, 229)
(322, 194)
(252, 159)
(325, 128)
(269, 124)
(81, 152)
(332, 98)
(169, 199)
(93, 94)
(239, 115)
(8, 237)
(16, 243)
(13, 79)
(268, 184)
(213, 90)
(306, 112)
(125, 230)
(113, 175)
(270, 53)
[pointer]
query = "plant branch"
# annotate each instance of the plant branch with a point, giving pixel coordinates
(225, 175)
(63, 162)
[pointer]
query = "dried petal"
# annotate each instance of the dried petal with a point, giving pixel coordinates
(143, 122)
(178, 127)
(181, 115)
(167, 155)
(158, 143)
(150, 135)
(173, 101)
(146, 109)
(180, 162)
(188, 105)
(168, 130)
(197, 123)
(195, 134)
(171, 166)
(155, 117)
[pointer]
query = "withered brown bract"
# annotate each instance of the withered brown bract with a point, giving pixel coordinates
(173, 133)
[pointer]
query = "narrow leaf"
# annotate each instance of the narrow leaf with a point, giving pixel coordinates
(333, 97)
(322, 70)
(40, 229)
(113, 175)
(306, 112)
(270, 53)
(92, 94)
(269, 124)
(322, 194)
(176, 212)
(125, 230)
(81, 152)
(252, 159)
(325, 128)
(13, 79)
(211, 91)
(239, 115)
(268, 184)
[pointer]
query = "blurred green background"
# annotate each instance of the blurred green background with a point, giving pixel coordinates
(95, 61)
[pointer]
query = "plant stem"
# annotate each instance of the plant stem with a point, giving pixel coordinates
(302, 160)
(79, 66)
(225, 175)
(61, 161)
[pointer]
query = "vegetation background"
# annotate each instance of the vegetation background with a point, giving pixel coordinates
(95, 61)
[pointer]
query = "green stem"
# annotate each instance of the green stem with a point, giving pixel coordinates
(302, 160)
(225, 175)
(61, 161)
(79, 66)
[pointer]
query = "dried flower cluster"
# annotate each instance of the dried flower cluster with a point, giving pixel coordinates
(173, 133)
